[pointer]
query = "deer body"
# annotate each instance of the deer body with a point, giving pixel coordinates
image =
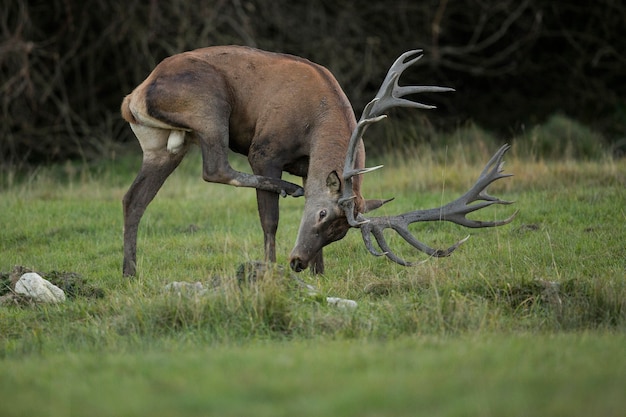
(285, 113)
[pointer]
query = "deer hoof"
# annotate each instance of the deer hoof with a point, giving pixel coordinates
(298, 193)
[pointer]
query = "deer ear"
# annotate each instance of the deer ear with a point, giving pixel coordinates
(374, 204)
(333, 183)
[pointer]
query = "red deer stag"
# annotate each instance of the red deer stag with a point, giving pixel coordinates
(286, 114)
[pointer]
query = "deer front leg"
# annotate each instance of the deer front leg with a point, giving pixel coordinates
(267, 203)
(268, 206)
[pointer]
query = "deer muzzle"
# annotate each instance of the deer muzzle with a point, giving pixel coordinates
(297, 264)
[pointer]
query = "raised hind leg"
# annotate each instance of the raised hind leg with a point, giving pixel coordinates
(213, 140)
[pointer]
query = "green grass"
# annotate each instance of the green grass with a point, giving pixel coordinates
(488, 376)
(479, 333)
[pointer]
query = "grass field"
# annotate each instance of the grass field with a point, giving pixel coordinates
(527, 319)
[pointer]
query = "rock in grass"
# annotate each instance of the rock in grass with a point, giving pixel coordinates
(73, 284)
(341, 303)
(38, 289)
(181, 288)
(251, 272)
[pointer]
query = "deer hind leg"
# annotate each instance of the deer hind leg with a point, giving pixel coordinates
(160, 159)
(216, 168)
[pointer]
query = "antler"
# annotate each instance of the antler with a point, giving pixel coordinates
(390, 95)
(454, 212)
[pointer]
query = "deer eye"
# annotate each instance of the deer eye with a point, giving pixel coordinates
(323, 214)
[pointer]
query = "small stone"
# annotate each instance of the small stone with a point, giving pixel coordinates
(341, 303)
(38, 289)
(186, 288)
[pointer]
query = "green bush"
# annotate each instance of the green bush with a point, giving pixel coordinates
(562, 137)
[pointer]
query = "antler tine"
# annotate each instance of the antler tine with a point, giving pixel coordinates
(375, 228)
(390, 93)
(455, 212)
(398, 67)
(459, 208)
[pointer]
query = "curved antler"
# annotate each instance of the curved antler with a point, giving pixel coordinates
(455, 212)
(391, 95)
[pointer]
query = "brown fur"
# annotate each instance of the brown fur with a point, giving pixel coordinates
(285, 113)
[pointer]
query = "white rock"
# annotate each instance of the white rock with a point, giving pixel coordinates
(34, 286)
(341, 303)
(186, 288)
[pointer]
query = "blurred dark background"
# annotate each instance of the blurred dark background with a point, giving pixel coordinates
(65, 65)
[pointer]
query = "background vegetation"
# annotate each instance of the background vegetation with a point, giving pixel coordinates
(66, 64)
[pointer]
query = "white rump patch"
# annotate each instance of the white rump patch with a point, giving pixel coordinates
(175, 141)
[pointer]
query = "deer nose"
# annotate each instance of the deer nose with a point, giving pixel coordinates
(297, 265)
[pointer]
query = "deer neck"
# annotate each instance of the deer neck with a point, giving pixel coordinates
(328, 154)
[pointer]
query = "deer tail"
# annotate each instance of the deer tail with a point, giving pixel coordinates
(125, 110)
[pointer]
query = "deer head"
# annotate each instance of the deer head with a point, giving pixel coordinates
(324, 220)
(328, 218)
